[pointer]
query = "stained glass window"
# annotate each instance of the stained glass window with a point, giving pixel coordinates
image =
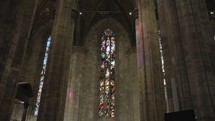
(42, 75)
(163, 71)
(107, 78)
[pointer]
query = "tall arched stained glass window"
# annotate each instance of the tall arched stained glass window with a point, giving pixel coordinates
(107, 78)
(42, 75)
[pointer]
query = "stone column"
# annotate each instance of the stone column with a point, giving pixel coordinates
(53, 98)
(77, 72)
(8, 24)
(134, 84)
(140, 59)
(149, 64)
(25, 111)
(197, 42)
(15, 41)
(174, 62)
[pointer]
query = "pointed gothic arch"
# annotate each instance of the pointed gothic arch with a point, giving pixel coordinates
(92, 71)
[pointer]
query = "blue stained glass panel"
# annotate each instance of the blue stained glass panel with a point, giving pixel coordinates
(42, 77)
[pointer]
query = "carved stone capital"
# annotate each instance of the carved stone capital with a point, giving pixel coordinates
(135, 14)
(75, 14)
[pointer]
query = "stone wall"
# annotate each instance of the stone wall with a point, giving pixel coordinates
(90, 86)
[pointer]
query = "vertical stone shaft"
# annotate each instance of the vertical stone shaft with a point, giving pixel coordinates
(132, 77)
(140, 58)
(153, 99)
(10, 29)
(53, 98)
(72, 112)
(7, 28)
(197, 38)
(175, 66)
(16, 40)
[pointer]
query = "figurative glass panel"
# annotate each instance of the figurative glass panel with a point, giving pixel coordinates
(107, 78)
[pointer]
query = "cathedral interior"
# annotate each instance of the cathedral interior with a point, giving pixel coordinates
(107, 60)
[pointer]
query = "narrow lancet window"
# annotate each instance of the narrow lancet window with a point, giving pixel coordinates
(107, 75)
(42, 75)
(163, 71)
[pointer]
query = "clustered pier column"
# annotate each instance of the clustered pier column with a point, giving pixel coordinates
(16, 23)
(149, 63)
(74, 88)
(53, 98)
(198, 45)
(178, 90)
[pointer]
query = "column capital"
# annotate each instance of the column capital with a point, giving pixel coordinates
(80, 49)
(135, 14)
(75, 14)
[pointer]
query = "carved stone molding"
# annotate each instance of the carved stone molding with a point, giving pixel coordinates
(135, 14)
(75, 14)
